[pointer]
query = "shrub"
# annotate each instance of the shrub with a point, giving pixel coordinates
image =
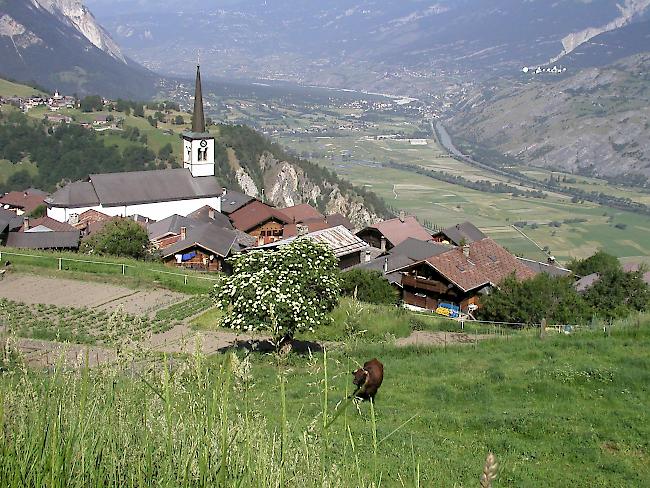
(283, 291)
(120, 237)
(600, 262)
(368, 286)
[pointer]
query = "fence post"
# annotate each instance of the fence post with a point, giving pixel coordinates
(60, 264)
(185, 279)
(123, 270)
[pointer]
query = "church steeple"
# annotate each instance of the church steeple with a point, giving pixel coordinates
(198, 118)
(198, 145)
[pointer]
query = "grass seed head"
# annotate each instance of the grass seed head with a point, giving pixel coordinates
(489, 471)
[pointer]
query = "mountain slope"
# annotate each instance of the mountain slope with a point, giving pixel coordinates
(596, 122)
(45, 45)
(367, 44)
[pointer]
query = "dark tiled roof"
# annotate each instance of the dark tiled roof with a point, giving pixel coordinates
(138, 187)
(465, 233)
(233, 201)
(75, 194)
(203, 215)
(43, 240)
(419, 250)
(549, 269)
(394, 264)
(9, 219)
(211, 237)
(170, 225)
(302, 212)
(488, 263)
(397, 231)
(254, 214)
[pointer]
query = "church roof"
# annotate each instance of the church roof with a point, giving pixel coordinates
(75, 194)
(135, 188)
(198, 118)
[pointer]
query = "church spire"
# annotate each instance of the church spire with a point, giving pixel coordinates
(198, 118)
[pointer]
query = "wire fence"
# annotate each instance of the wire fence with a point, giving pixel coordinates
(62, 263)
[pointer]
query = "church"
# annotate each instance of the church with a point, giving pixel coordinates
(151, 194)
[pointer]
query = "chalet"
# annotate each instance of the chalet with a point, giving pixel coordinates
(58, 119)
(168, 231)
(90, 221)
(460, 275)
(23, 202)
(152, 194)
(9, 222)
(204, 247)
(389, 233)
(261, 221)
(347, 247)
(459, 234)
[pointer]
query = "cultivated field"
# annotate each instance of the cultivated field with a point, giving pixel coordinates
(583, 228)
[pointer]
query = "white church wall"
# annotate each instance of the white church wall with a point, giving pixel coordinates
(154, 211)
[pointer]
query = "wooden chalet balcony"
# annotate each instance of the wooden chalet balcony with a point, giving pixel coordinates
(424, 284)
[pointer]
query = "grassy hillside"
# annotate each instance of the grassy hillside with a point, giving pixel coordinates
(11, 89)
(565, 411)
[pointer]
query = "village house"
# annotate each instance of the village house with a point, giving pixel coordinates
(262, 221)
(231, 201)
(58, 119)
(460, 275)
(45, 224)
(68, 241)
(313, 225)
(203, 247)
(389, 233)
(347, 247)
(23, 202)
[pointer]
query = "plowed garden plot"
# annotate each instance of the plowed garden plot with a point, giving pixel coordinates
(100, 314)
(79, 294)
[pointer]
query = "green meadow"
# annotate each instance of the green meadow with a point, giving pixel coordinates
(567, 410)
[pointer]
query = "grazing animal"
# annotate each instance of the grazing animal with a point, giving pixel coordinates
(368, 379)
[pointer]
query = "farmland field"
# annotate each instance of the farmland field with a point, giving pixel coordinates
(576, 230)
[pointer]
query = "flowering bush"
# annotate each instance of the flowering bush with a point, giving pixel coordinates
(283, 291)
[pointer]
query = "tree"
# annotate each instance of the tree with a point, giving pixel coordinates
(91, 103)
(138, 110)
(616, 294)
(282, 292)
(368, 286)
(165, 152)
(119, 237)
(20, 180)
(600, 262)
(530, 301)
(179, 120)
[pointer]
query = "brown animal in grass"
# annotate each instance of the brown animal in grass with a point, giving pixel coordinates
(368, 379)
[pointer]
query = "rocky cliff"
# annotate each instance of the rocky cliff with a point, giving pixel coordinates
(75, 14)
(262, 169)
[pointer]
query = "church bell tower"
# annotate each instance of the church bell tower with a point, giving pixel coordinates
(198, 144)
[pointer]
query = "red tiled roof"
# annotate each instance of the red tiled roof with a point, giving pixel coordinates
(302, 212)
(338, 219)
(396, 231)
(50, 223)
(91, 216)
(256, 213)
(488, 263)
(23, 200)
